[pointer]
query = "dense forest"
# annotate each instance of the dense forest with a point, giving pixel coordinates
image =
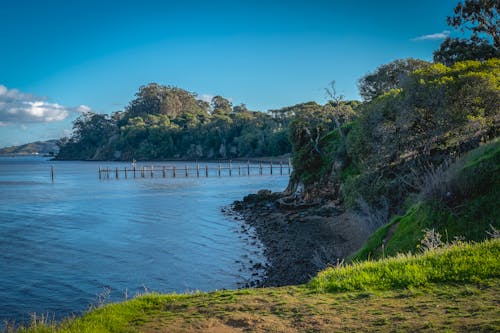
(165, 122)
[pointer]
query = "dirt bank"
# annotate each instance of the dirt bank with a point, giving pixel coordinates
(300, 242)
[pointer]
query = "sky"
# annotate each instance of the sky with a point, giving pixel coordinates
(61, 58)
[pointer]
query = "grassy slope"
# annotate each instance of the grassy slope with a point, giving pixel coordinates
(453, 289)
(479, 178)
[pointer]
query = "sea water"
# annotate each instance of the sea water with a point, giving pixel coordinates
(79, 240)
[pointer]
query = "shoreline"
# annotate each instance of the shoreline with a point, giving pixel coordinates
(298, 243)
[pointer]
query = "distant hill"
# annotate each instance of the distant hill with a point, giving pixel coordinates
(39, 147)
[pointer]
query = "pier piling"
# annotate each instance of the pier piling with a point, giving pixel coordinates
(262, 166)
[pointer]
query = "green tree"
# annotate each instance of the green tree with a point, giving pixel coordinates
(453, 50)
(387, 77)
(221, 105)
(481, 17)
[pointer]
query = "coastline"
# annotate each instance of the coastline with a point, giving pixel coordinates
(298, 243)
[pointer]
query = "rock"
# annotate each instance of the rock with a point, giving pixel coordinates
(264, 193)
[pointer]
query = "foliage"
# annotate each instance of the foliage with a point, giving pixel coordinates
(438, 114)
(387, 77)
(454, 50)
(168, 122)
(315, 138)
(90, 132)
(481, 17)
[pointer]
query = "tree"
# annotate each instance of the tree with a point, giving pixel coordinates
(387, 77)
(479, 16)
(453, 50)
(221, 105)
(240, 108)
(340, 111)
(438, 114)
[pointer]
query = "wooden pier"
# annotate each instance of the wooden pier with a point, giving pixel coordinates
(219, 169)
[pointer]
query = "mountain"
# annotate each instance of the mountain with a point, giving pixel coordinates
(48, 147)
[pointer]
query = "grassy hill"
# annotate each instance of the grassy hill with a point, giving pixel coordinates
(38, 147)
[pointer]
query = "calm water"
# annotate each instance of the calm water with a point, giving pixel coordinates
(64, 243)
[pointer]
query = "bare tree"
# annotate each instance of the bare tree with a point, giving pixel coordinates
(336, 101)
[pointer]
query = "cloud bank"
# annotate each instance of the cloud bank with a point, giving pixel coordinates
(439, 35)
(20, 108)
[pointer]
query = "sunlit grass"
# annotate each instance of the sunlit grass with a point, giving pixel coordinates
(462, 262)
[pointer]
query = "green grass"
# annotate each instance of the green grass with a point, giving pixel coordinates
(462, 262)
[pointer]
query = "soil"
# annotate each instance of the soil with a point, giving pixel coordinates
(300, 242)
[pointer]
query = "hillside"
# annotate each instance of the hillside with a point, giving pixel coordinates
(33, 148)
(460, 202)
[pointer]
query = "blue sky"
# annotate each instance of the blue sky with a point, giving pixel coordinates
(60, 58)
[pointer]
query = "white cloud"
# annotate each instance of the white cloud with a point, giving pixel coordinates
(436, 36)
(206, 98)
(83, 108)
(20, 108)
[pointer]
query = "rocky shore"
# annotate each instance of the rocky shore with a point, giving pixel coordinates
(298, 240)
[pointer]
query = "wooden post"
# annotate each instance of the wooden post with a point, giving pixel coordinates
(152, 168)
(260, 168)
(125, 170)
(142, 172)
(271, 167)
(206, 170)
(99, 172)
(187, 173)
(52, 174)
(239, 169)
(197, 169)
(134, 171)
(248, 168)
(116, 173)
(173, 171)
(219, 168)
(230, 168)
(281, 168)
(107, 172)
(164, 172)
